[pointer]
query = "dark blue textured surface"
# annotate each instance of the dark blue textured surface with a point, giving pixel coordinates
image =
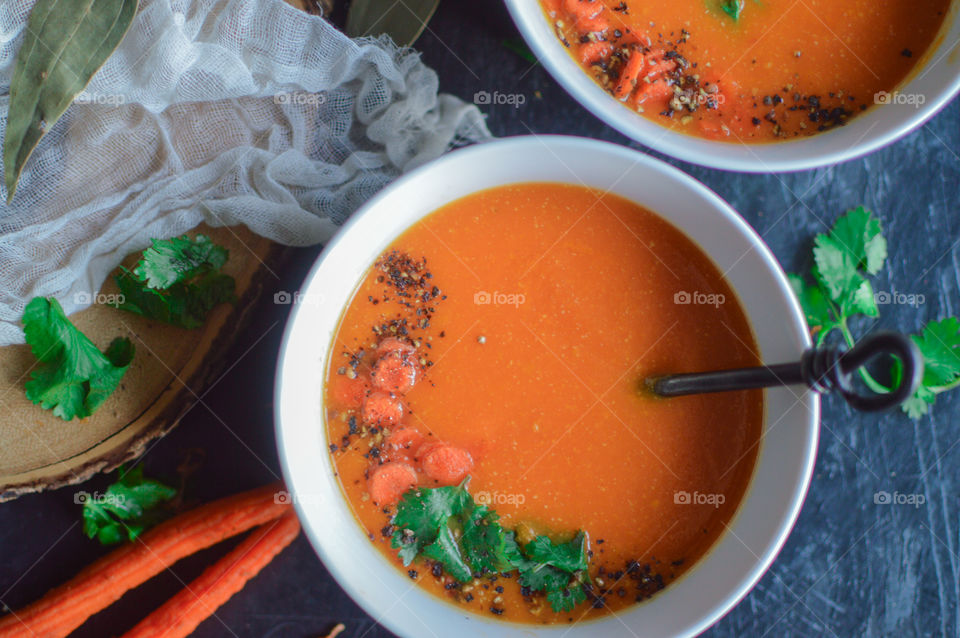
(850, 568)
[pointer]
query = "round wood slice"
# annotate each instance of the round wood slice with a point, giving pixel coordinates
(170, 370)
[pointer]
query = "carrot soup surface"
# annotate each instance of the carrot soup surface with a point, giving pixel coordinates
(505, 338)
(746, 70)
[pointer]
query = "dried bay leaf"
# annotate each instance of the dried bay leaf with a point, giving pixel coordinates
(402, 20)
(66, 42)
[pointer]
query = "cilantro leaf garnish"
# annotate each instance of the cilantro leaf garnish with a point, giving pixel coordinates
(939, 342)
(558, 569)
(73, 378)
(177, 281)
(732, 8)
(446, 525)
(838, 290)
(171, 261)
(125, 509)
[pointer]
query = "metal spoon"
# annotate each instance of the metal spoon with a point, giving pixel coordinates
(824, 369)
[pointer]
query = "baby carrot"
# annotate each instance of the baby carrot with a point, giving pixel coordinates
(100, 584)
(179, 616)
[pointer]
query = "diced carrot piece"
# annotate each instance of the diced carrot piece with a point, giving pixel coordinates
(628, 77)
(446, 464)
(389, 481)
(657, 65)
(657, 91)
(382, 408)
(592, 52)
(426, 447)
(404, 442)
(392, 344)
(394, 372)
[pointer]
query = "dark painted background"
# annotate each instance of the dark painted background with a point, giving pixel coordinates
(850, 568)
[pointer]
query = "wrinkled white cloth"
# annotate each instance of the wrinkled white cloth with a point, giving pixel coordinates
(218, 111)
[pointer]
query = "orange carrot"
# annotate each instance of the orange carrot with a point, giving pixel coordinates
(381, 408)
(392, 344)
(100, 584)
(446, 464)
(389, 481)
(628, 77)
(587, 15)
(394, 372)
(426, 447)
(592, 52)
(656, 91)
(179, 616)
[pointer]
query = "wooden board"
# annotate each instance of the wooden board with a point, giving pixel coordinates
(170, 370)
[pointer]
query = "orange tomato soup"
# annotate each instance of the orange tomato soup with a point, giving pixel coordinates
(528, 317)
(748, 70)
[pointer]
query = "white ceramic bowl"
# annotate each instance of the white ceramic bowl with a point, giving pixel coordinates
(936, 78)
(773, 499)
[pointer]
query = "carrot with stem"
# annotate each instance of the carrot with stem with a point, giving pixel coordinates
(179, 616)
(100, 584)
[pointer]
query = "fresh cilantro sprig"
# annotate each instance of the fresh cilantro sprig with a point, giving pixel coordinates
(837, 290)
(177, 281)
(446, 525)
(72, 377)
(125, 509)
(559, 569)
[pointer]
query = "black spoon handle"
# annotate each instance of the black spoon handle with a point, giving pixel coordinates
(824, 369)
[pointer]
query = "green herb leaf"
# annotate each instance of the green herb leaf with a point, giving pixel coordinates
(64, 44)
(178, 259)
(446, 550)
(939, 342)
(177, 281)
(421, 514)
(484, 541)
(73, 377)
(402, 21)
(860, 235)
(559, 570)
(445, 524)
(855, 247)
(815, 306)
(854, 244)
(732, 8)
(125, 509)
(570, 557)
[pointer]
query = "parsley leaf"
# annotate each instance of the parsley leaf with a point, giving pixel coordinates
(123, 511)
(854, 248)
(445, 524)
(484, 541)
(939, 342)
(732, 8)
(558, 569)
(177, 281)
(447, 550)
(73, 378)
(420, 515)
(171, 261)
